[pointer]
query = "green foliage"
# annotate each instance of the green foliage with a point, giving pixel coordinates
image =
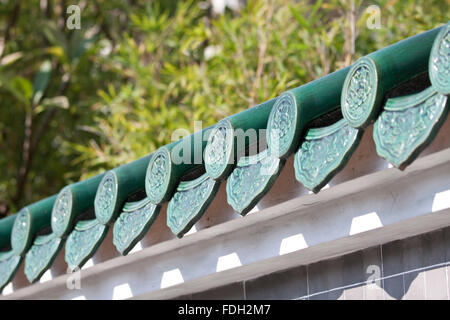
(91, 99)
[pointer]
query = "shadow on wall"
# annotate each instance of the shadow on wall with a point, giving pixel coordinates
(412, 268)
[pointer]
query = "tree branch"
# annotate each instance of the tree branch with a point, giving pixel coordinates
(11, 22)
(26, 157)
(31, 141)
(49, 114)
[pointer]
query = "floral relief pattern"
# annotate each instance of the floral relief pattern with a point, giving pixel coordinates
(82, 242)
(216, 152)
(61, 211)
(20, 232)
(130, 225)
(399, 133)
(8, 265)
(185, 207)
(157, 176)
(106, 197)
(318, 158)
(281, 125)
(40, 255)
(247, 182)
(440, 69)
(358, 92)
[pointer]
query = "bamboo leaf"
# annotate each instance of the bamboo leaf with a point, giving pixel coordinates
(298, 16)
(19, 87)
(11, 58)
(41, 81)
(58, 102)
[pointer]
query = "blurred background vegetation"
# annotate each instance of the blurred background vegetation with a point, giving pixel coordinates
(74, 103)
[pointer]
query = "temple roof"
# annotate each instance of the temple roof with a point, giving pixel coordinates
(402, 90)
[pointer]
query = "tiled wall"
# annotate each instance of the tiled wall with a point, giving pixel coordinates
(412, 268)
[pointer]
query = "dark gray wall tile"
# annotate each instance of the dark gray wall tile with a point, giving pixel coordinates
(358, 266)
(393, 288)
(413, 253)
(434, 247)
(392, 258)
(353, 268)
(289, 284)
(326, 275)
(446, 232)
(371, 257)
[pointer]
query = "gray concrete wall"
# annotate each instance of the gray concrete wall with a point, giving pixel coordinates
(411, 268)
